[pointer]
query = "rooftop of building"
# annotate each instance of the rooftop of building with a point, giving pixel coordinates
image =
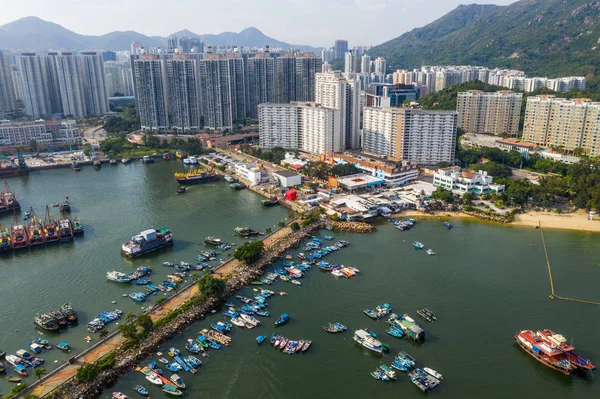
(376, 162)
(517, 142)
(358, 180)
(286, 173)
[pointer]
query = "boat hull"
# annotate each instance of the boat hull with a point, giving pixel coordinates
(541, 359)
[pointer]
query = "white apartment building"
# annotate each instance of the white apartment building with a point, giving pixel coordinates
(119, 78)
(34, 79)
(43, 132)
(261, 82)
(424, 137)
(567, 124)
(7, 88)
(308, 127)
(492, 113)
(278, 126)
(380, 66)
(349, 63)
(70, 84)
(466, 181)
(560, 85)
(334, 90)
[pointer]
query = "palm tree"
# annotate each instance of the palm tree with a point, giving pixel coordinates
(103, 333)
(39, 372)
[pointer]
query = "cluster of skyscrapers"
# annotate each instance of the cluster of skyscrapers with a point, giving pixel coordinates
(67, 84)
(187, 91)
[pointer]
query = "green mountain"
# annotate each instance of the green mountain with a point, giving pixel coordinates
(542, 37)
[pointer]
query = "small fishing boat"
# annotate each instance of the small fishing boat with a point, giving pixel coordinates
(181, 190)
(306, 345)
(163, 360)
(237, 185)
(141, 390)
(14, 379)
(21, 370)
(418, 245)
(119, 395)
(154, 367)
(177, 381)
(154, 378)
(430, 252)
(433, 373)
(388, 371)
(448, 225)
(260, 339)
(174, 367)
(174, 352)
(77, 226)
(270, 202)
(171, 390)
(331, 329)
(64, 346)
(192, 347)
(395, 332)
(284, 318)
(337, 273)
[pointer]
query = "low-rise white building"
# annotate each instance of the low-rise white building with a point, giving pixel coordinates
(466, 181)
(287, 178)
(248, 171)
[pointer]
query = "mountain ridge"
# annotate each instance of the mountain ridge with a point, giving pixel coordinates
(542, 37)
(33, 33)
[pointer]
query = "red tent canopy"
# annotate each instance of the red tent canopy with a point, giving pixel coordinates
(290, 195)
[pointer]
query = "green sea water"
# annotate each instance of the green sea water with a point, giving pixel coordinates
(485, 284)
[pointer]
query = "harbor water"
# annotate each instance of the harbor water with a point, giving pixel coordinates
(485, 284)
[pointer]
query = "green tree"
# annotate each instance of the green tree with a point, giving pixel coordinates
(87, 372)
(295, 226)
(39, 372)
(249, 252)
(33, 145)
(467, 198)
(319, 170)
(443, 195)
(211, 287)
(128, 331)
(103, 333)
(345, 169)
(130, 317)
(145, 322)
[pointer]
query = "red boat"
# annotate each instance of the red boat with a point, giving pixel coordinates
(18, 234)
(50, 227)
(552, 350)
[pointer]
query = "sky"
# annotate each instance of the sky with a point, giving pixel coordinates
(309, 22)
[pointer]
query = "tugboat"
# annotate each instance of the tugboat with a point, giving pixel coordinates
(68, 310)
(35, 229)
(77, 226)
(246, 231)
(65, 229)
(147, 241)
(237, 185)
(4, 240)
(270, 202)
(45, 322)
(9, 199)
(213, 241)
(18, 234)
(50, 227)
(65, 206)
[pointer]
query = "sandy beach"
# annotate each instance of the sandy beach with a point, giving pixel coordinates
(570, 221)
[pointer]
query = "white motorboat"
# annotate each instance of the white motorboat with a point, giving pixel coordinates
(433, 373)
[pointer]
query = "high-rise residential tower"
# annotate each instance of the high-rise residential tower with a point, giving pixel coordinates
(223, 90)
(35, 83)
(342, 93)
(340, 48)
(492, 113)
(7, 89)
(349, 63)
(261, 82)
(150, 77)
(91, 72)
(296, 77)
(184, 96)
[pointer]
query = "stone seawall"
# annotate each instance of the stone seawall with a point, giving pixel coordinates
(126, 360)
(353, 227)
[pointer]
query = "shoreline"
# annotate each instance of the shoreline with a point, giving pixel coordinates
(576, 221)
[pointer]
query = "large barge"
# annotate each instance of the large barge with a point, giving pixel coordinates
(552, 350)
(196, 177)
(147, 241)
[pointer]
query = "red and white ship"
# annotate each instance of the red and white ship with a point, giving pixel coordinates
(552, 350)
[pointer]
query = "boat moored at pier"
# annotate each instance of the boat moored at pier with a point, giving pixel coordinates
(196, 177)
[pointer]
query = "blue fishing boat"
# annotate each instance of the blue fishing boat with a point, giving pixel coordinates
(174, 352)
(137, 296)
(192, 347)
(141, 390)
(230, 313)
(395, 332)
(418, 245)
(328, 238)
(182, 363)
(371, 314)
(174, 367)
(260, 339)
(284, 318)
(340, 327)
(64, 346)
(274, 337)
(193, 361)
(214, 345)
(397, 364)
(263, 313)
(154, 367)
(448, 225)
(219, 328)
(141, 281)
